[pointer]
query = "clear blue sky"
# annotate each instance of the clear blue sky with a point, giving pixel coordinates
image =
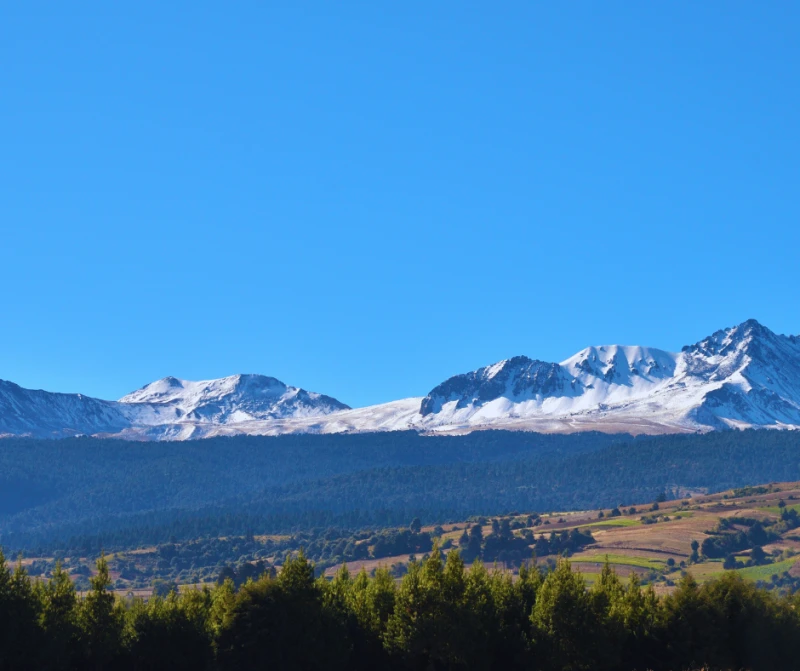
(364, 200)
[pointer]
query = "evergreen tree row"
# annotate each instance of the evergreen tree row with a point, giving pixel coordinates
(440, 616)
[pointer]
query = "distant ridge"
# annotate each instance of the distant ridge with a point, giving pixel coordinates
(165, 409)
(739, 377)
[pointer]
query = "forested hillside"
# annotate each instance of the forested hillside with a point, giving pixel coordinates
(118, 494)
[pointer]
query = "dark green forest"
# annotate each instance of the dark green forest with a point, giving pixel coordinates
(440, 616)
(103, 494)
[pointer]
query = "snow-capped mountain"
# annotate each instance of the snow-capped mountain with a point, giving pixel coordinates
(738, 377)
(165, 409)
(744, 376)
(753, 377)
(229, 400)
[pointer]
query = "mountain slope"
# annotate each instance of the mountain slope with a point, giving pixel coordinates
(33, 412)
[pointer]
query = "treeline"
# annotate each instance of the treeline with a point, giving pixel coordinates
(329, 548)
(440, 616)
(734, 534)
(502, 545)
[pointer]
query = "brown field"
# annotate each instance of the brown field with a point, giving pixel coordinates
(679, 522)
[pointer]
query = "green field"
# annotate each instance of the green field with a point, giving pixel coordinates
(613, 522)
(619, 560)
(777, 510)
(766, 571)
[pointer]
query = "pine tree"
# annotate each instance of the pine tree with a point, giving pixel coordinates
(563, 620)
(20, 634)
(171, 633)
(474, 544)
(101, 621)
(413, 631)
(58, 620)
(370, 602)
(608, 604)
(284, 623)
(509, 640)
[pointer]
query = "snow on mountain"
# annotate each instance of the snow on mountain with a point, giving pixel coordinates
(744, 376)
(523, 388)
(753, 377)
(165, 409)
(229, 400)
(517, 380)
(33, 412)
(393, 416)
(738, 377)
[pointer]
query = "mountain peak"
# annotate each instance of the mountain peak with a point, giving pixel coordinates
(169, 388)
(158, 389)
(518, 377)
(750, 328)
(734, 337)
(256, 381)
(243, 397)
(752, 323)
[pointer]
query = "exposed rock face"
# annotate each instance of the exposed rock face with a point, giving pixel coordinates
(517, 378)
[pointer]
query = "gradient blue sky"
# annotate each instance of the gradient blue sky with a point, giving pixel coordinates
(364, 200)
